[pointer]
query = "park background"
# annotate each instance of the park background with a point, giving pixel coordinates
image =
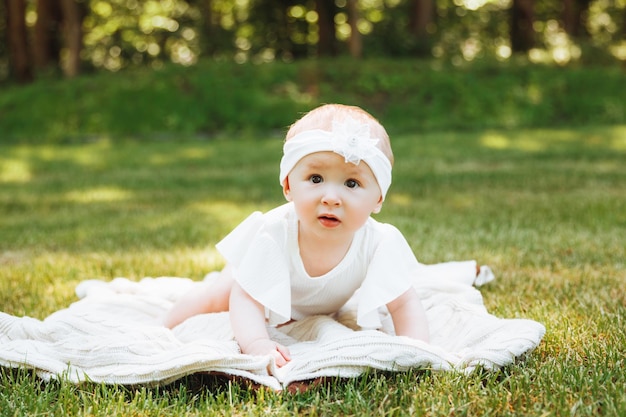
(135, 134)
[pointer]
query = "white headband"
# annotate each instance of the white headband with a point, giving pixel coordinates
(350, 139)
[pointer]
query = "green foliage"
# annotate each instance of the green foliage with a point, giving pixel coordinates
(214, 97)
(200, 100)
(120, 34)
(544, 207)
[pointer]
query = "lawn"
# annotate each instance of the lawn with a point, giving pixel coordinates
(546, 208)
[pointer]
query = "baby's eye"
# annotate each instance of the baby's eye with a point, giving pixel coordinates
(316, 179)
(352, 183)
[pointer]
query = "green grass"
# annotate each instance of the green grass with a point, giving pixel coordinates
(211, 98)
(546, 208)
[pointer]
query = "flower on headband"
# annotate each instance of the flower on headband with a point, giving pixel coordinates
(351, 139)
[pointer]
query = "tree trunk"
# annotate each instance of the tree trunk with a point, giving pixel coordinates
(521, 31)
(573, 17)
(355, 43)
(326, 24)
(422, 14)
(46, 45)
(208, 43)
(73, 35)
(18, 44)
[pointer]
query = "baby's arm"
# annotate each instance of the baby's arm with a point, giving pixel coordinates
(248, 322)
(409, 316)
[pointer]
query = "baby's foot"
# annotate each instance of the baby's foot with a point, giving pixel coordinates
(484, 275)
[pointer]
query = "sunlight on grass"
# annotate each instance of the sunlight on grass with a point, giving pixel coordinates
(495, 141)
(530, 141)
(399, 199)
(88, 155)
(185, 153)
(618, 138)
(541, 139)
(99, 194)
(14, 170)
(225, 212)
(37, 284)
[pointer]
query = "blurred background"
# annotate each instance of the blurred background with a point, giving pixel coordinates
(55, 38)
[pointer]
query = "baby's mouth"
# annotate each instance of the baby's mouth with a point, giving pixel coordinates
(328, 220)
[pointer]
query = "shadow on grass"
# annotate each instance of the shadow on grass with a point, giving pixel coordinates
(112, 197)
(161, 195)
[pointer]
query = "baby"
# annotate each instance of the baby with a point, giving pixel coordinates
(310, 255)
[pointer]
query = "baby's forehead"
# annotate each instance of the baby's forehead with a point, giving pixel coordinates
(331, 160)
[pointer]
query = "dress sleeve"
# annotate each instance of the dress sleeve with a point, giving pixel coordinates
(256, 251)
(389, 274)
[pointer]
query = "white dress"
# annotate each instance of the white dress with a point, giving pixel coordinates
(263, 251)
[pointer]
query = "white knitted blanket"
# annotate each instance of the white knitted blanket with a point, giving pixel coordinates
(111, 335)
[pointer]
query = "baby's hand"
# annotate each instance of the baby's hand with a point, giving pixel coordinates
(262, 347)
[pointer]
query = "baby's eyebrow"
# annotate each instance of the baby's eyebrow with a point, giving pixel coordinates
(316, 165)
(353, 169)
(349, 172)
(320, 164)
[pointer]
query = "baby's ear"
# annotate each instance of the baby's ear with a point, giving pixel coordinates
(286, 189)
(379, 205)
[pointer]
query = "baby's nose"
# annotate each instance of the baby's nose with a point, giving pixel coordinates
(331, 196)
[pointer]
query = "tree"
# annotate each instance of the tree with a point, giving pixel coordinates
(420, 18)
(208, 27)
(355, 42)
(574, 12)
(73, 35)
(59, 23)
(326, 45)
(47, 42)
(214, 39)
(522, 32)
(16, 36)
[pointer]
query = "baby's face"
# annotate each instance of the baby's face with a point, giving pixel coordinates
(331, 195)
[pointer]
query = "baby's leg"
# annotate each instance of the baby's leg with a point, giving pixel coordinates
(468, 272)
(209, 297)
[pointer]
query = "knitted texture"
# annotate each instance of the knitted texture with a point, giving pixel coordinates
(112, 335)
